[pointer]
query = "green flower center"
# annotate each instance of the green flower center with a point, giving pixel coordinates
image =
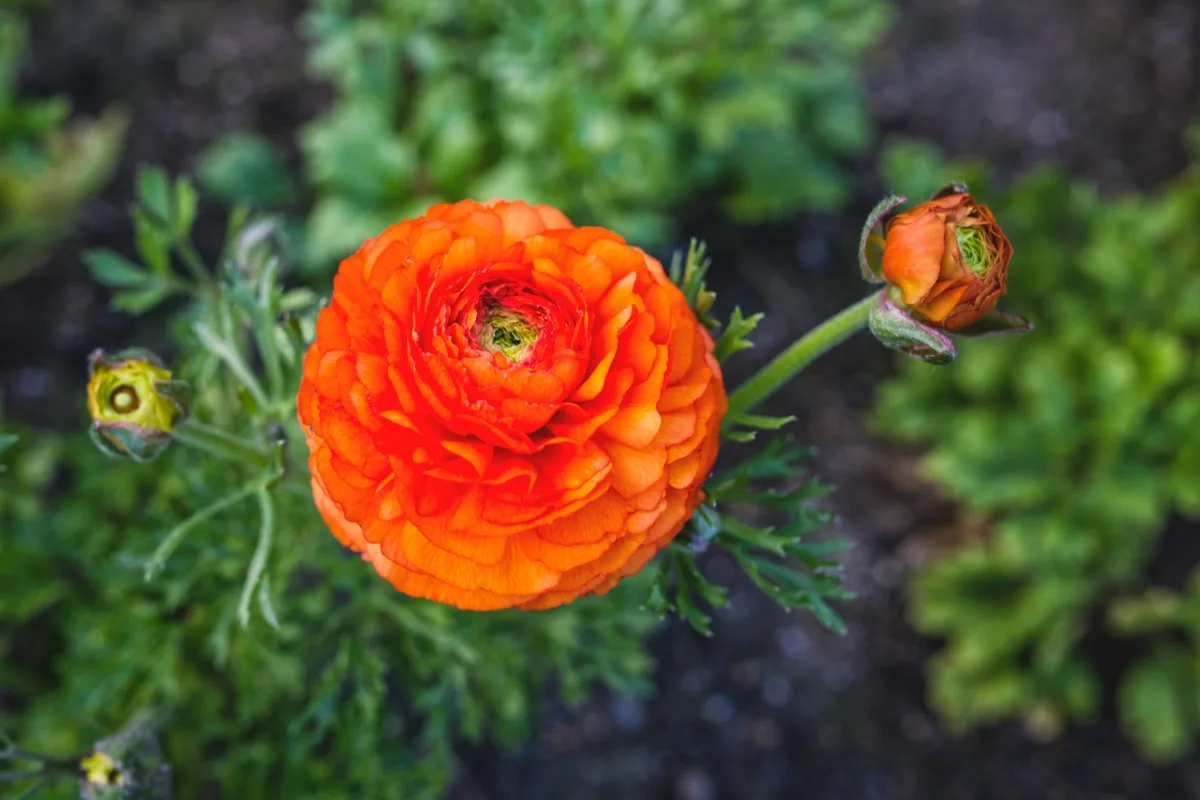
(973, 248)
(504, 330)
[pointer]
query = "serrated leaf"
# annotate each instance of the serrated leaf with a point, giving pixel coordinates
(734, 337)
(657, 600)
(779, 458)
(689, 274)
(686, 606)
(761, 538)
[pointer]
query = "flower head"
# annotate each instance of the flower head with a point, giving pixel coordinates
(133, 403)
(505, 410)
(949, 260)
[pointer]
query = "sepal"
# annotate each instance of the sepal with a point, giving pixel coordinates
(870, 242)
(896, 329)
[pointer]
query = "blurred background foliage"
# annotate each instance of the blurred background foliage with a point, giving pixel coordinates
(49, 165)
(621, 112)
(1078, 443)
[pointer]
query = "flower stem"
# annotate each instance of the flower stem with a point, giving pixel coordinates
(223, 350)
(799, 355)
(258, 563)
(220, 443)
(158, 558)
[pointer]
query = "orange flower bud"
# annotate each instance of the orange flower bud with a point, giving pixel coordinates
(949, 260)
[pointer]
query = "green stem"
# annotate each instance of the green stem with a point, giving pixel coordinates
(194, 264)
(264, 329)
(20, 754)
(158, 558)
(799, 355)
(220, 443)
(222, 350)
(258, 563)
(21, 775)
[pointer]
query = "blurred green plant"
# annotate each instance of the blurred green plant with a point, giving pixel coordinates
(1078, 441)
(48, 166)
(620, 112)
(285, 667)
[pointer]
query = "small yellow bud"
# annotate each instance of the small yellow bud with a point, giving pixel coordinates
(133, 403)
(99, 769)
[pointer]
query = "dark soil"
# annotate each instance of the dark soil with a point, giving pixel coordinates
(772, 706)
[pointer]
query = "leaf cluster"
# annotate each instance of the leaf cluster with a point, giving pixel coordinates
(616, 111)
(779, 557)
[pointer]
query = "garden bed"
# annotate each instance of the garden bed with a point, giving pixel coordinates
(772, 705)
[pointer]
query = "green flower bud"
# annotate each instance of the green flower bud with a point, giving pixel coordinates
(134, 404)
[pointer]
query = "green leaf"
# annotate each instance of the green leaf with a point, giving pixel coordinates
(789, 569)
(759, 421)
(183, 209)
(1156, 707)
(154, 195)
(247, 168)
(153, 244)
(734, 338)
(680, 586)
(139, 301)
(256, 573)
(688, 273)
(115, 270)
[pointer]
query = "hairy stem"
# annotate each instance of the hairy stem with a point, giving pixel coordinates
(220, 443)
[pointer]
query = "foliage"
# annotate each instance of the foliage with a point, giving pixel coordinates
(48, 167)
(616, 111)
(314, 678)
(1079, 441)
(780, 560)
(284, 665)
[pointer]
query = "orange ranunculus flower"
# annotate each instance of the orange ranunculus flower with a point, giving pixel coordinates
(949, 259)
(506, 410)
